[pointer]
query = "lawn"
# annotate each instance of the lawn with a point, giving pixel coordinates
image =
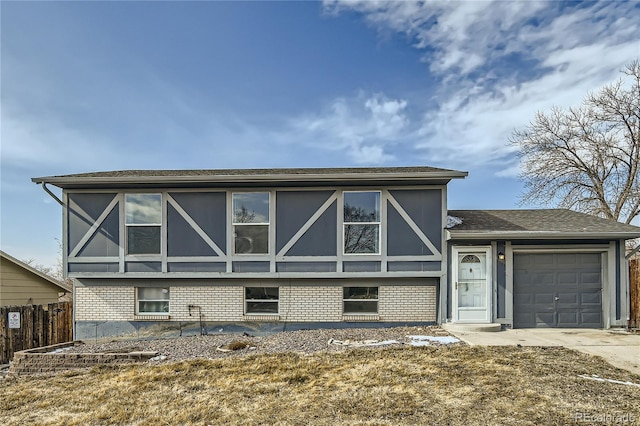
(428, 385)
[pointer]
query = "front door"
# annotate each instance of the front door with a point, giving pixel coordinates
(472, 285)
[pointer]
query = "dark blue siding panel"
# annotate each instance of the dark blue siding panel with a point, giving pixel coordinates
(143, 267)
(293, 209)
(77, 225)
(182, 239)
(208, 210)
(320, 239)
(105, 241)
(413, 266)
(401, 240)
(425, 209)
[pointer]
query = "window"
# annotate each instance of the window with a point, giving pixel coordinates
(261, 300)
(360, 300)
(143, 220)
(251, 223)
(361, 222)
(153, 300)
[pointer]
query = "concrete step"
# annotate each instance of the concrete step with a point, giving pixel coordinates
(472, 327)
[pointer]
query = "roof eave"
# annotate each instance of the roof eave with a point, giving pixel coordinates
(62, 181)
(539, 235)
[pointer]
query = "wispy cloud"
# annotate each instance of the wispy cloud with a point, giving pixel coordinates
(365, 128)
(499, 62)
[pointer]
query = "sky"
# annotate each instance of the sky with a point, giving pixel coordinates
(97, 86)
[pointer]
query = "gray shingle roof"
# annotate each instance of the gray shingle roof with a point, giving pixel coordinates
(417, 174)
(543, 223)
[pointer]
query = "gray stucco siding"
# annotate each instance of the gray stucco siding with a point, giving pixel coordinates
(424, 206)
(208, 210)
(293, 209)
(105, 242)
(81, 205)
(182, 239)
(320, 239)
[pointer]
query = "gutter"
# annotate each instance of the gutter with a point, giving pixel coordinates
(539, 235)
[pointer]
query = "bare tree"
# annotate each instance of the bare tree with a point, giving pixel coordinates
(587, 158)
(56, 272)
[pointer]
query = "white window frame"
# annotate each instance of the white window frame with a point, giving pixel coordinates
(246, 301)
(378, 223)
(377, 300)
(131, 225)
(138, 300)
(265, 224)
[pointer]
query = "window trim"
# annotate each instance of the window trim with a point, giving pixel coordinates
(378, 223)
(147, 313)
(377, 300)
(265, 224)
(246, 310)
(147, 225)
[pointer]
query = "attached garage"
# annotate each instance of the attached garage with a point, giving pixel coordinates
(552, 268)
(562, 290)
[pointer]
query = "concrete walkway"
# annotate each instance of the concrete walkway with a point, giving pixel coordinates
(619, 348)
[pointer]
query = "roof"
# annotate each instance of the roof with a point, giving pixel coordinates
(58, 283)
(419, 174)
(538, 224)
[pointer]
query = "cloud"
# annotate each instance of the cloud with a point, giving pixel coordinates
(498, 62)
(366, 129)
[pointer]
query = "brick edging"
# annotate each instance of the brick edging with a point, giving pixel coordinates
(41, 360)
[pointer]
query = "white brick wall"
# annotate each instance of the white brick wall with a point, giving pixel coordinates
(407, 303)
(302, 304)
(105, 303)
(217, 303)
(315, 303)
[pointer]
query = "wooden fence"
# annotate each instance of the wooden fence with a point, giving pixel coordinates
(39, 325)
(634, 292)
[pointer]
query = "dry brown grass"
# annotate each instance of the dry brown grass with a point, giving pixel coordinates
(446, 385)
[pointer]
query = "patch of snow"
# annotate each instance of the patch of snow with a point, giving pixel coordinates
(600, 379)
(158, 358)
(420, 343)
(453, 221)
(60, 350)
(443, 340)
(365, 343)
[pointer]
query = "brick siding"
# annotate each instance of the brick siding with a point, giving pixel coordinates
(226, 304)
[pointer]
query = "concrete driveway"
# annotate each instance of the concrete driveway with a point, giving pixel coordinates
(619, 348)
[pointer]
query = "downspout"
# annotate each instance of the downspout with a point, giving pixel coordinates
(54, 196)
(73, 289)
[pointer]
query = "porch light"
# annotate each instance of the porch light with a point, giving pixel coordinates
(500, 256)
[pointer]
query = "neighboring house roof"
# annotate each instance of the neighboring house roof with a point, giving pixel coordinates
(534, 224)
(264, 176)
(63, 286)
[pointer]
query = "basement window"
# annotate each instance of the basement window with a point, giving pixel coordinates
(360, 300)
(153, 300)
(261, 300)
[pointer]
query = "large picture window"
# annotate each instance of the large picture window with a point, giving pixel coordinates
(360, 300)
(361, 222)
(261, 300)
(143, 220)
(251, 223)
(153, 300)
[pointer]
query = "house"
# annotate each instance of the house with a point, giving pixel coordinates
(176, 251)
(21, 284)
